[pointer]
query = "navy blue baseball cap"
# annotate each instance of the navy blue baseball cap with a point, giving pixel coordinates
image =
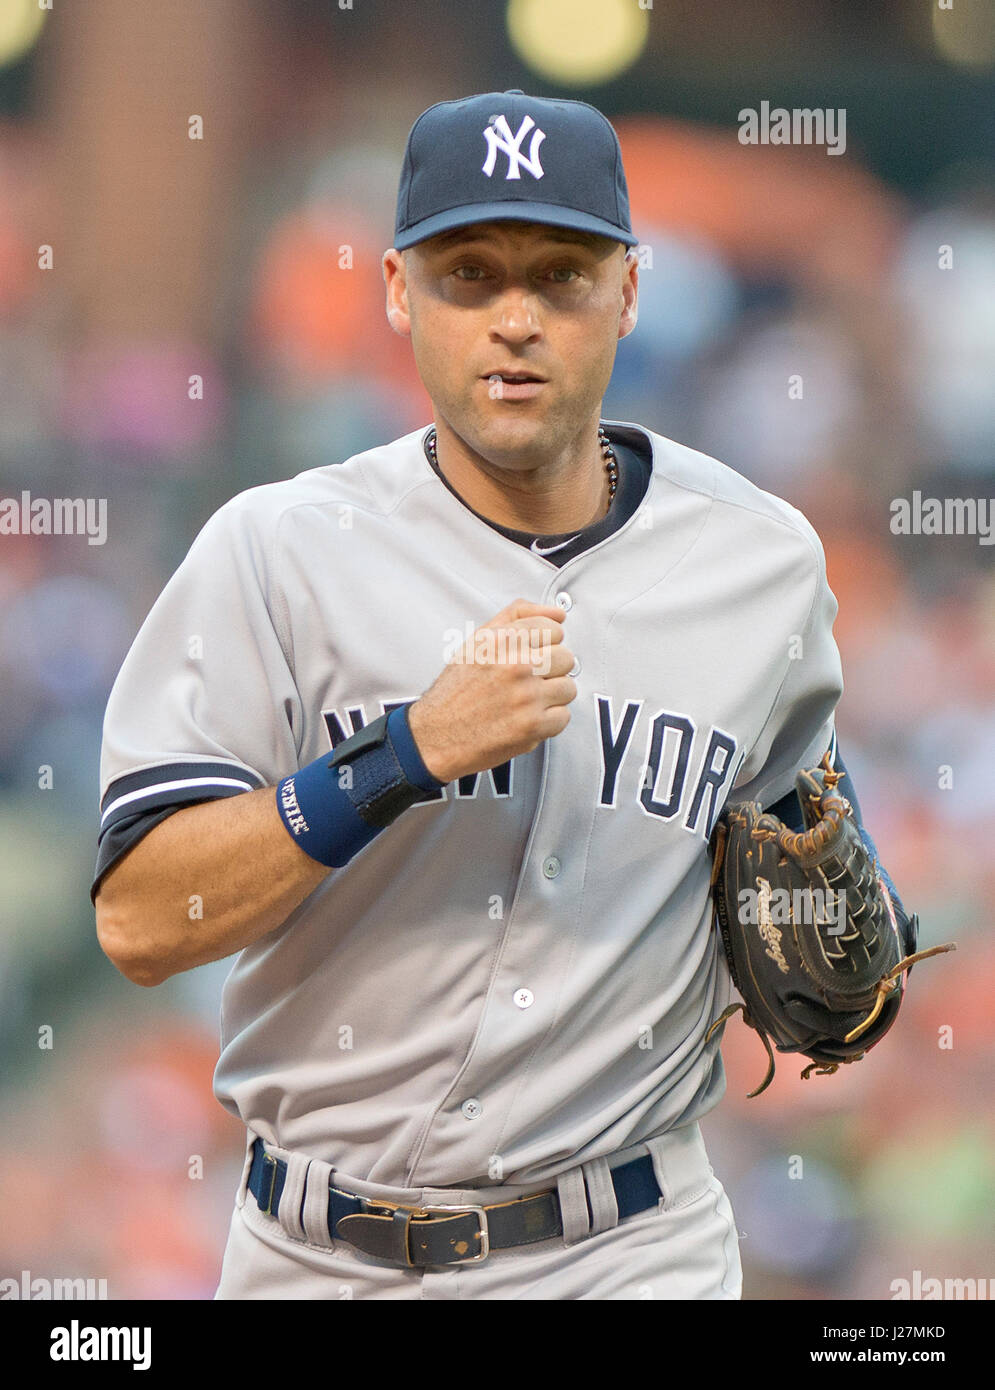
(508, 157)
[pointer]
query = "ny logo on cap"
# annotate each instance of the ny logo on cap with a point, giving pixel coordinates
(499, 137)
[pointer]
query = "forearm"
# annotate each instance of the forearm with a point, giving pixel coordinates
(211, 879)
(206, 882)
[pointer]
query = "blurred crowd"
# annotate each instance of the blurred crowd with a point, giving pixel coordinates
(798, 321)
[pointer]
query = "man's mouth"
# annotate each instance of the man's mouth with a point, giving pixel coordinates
(513, 378)
(514, 386)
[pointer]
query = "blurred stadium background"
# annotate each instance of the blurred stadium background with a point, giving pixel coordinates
(223, 257)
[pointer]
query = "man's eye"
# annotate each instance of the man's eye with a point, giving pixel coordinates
(562, 271)
(460, 269)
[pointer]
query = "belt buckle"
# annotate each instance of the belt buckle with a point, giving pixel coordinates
(422, 1213)
(483, 1234)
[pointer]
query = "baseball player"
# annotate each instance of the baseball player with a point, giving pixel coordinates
(435, 739)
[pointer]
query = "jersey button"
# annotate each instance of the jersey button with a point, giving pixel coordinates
(564, 601)
(472, 1108)
(551, 866)
(523, 998)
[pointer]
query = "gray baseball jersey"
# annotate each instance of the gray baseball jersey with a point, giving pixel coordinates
(516, 976)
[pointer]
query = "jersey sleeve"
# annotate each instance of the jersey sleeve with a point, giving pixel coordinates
(205, 704)
(801, 725)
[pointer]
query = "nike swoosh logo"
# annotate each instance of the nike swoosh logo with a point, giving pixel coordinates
(538, 549)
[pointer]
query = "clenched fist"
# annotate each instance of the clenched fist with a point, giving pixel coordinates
(502, 694)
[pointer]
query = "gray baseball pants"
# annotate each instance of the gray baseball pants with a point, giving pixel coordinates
(687, 1247)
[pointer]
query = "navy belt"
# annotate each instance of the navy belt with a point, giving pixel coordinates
(446, 1234)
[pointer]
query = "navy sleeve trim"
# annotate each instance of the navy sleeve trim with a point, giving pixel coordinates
(123, 836)
(128, 827)
(172, 784)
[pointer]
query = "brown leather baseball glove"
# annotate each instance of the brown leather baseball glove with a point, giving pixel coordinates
(810, 931)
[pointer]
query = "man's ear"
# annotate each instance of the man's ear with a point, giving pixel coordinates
(630, 292)
(395, 274)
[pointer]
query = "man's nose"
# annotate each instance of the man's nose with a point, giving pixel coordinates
(517, 318)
